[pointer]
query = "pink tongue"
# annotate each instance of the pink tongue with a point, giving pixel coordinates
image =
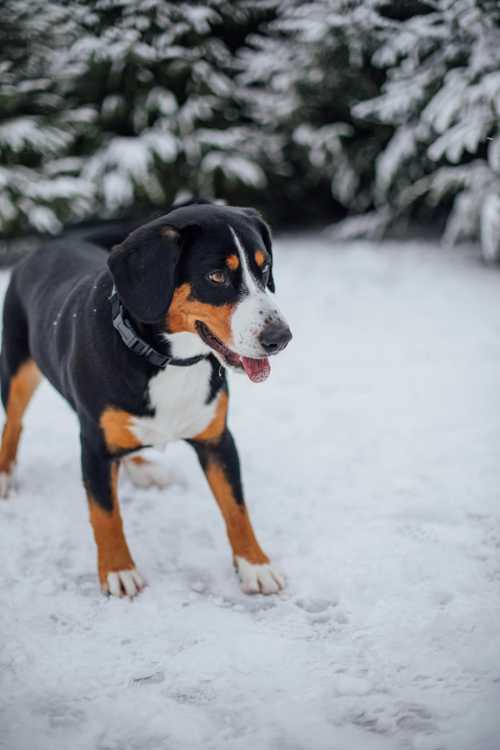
(256, 369)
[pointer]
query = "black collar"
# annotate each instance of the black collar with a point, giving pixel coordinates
(138, 346)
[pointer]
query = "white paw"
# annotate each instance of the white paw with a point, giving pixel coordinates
(6, 483)
(148, 471)
(124, 583)
(258, 579)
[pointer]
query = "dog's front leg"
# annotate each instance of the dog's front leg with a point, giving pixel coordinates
(219, 460)
(117, 573)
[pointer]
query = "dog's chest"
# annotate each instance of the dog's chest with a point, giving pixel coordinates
(178, 395)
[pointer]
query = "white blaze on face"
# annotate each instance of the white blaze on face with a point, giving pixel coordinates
(255, 310)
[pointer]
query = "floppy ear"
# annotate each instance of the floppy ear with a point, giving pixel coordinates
(265, 232)
(143, 268)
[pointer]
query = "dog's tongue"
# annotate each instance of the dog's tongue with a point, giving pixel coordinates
(256, 369)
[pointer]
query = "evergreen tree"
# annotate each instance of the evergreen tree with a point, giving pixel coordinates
(307, 71)
(127, 104)
(322, 108)
(441, 97)
(39, 186)
(392, 105)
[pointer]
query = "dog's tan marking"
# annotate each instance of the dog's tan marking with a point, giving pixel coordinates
(239, 529)
(232, 262)
(21, 388)
(170, 233)
(184, 311)
(112, 550)
(115, 424)
(260, 258)
(214, 430)
(138, 460)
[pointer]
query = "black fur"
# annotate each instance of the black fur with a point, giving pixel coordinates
(147, 260)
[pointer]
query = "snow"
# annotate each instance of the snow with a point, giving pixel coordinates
(370, 461)
(490, 226)
(237, 167)
(24, 132)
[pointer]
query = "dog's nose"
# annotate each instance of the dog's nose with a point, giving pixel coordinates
(274, 337)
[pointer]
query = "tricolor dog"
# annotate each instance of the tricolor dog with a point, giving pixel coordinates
(138, 342)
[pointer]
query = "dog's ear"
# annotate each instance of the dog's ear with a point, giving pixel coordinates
(265, 232)
(144, 267)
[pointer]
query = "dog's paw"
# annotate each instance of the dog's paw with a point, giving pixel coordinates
(145, 472)
(6, 483)
(258, 579)
(123, 583)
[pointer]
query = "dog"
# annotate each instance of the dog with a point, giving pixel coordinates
(138, 341)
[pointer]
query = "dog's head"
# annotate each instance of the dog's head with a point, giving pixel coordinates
(204, 273)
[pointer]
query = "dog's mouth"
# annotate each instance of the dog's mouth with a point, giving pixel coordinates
(257, 370)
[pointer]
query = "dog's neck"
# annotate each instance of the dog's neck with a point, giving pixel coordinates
(180, 346)
(184, 345)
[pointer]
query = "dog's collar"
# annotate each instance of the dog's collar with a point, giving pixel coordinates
(138, 346)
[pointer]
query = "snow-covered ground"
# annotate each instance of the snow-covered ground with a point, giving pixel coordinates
(372, 468)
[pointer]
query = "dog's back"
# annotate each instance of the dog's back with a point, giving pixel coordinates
(42, 309)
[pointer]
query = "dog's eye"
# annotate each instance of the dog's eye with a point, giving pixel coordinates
(217, 277)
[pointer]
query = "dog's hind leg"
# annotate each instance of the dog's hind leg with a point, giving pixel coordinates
(19, 390)
(117, 573)
(19, 379)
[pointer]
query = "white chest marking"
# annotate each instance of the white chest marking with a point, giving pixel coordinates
(178, 396)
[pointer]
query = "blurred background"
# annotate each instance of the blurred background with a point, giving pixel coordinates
(356, 115)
